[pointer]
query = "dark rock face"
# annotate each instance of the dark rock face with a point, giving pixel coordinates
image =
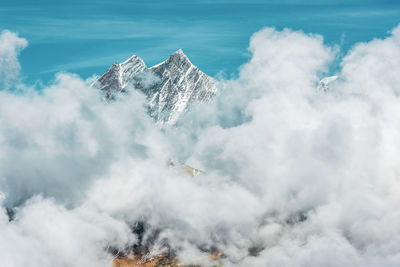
(170, 86)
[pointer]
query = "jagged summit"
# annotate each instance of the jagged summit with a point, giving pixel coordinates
(133, 58)
(170, 86)
(176, 57)
(179, 55)
(178, 52)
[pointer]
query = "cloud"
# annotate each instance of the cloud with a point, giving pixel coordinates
(47, 234)
(370, 68)
(10, 46)
(322, 165)
(293, 176)
(65, 135)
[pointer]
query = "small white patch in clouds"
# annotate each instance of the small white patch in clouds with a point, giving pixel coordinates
(303, 178)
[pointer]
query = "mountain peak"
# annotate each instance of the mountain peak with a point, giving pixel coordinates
(170, 87)
(179, 55)
(179, 52)
(133, 59)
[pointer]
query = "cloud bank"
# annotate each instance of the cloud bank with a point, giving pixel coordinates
(295, 176)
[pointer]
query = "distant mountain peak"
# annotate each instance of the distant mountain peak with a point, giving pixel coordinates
(178, 58)
(133, 59)
(171, 86)
(179, 54)
(325, 83)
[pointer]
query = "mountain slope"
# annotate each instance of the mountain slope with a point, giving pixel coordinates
(170, 86)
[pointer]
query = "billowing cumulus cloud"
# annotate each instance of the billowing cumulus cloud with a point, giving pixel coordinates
(46, 234)
(294, 176)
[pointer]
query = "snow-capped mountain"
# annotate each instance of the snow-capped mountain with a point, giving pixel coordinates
(324, 84)
(170, 86)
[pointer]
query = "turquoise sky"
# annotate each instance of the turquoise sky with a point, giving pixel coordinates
(86, 37)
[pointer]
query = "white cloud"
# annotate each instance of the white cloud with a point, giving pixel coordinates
(10, 46)
(47, 234)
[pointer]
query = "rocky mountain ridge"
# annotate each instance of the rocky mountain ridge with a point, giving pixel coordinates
(170, 86)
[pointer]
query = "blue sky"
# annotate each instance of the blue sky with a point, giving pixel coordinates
(86, 37)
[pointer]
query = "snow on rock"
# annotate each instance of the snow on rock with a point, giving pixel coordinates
(323, 84)
(170, 86)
